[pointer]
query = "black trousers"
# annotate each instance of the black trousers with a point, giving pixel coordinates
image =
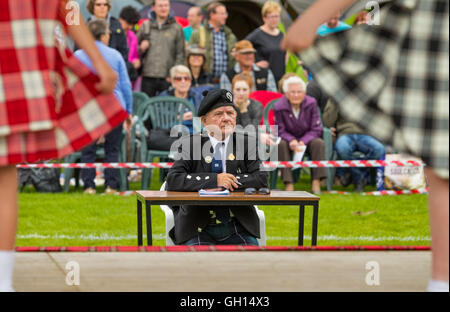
(153, 86)
(88, 155)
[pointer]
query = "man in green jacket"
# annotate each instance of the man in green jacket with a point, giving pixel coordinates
(161, 46)
(217, 39)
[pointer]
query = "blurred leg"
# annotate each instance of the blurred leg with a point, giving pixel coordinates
(148, 86)
(285, 155)
(371, 148)
(345, 147)
(88, 155)
(316, 149)
(8, 224)
(112, 146)
(439, 205)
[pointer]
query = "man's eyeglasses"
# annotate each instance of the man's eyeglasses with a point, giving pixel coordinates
(182, 78)
(261, 191)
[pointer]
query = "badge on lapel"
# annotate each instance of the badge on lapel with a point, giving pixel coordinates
(208, 159)
(231, 156)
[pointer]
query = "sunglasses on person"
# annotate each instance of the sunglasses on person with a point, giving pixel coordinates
(261, 191)
(182, 78)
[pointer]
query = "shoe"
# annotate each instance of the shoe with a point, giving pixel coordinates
(135, 176)
(359, 187)
(346, 179)
(337, 181)
(90, 191)
(315, 187)
(110, 191)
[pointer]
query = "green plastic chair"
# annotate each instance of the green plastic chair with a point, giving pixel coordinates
(164, 112)
(326, 137)
(139, 99)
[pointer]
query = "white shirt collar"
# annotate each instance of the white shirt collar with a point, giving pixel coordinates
(214, 141)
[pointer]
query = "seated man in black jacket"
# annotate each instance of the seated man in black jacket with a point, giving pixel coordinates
(219, 157)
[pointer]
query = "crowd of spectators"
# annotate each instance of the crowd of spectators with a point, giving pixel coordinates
(169, 60)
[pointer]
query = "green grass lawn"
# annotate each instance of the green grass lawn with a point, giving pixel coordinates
(75, 219)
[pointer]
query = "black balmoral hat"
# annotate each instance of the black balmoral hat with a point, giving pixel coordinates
(214, 99)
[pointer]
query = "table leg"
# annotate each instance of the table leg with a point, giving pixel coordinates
(301, 224)
(148, 212)
(315, 223)
(139, 222)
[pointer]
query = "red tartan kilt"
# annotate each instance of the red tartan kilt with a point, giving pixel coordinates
(49, 106)
(83, 117)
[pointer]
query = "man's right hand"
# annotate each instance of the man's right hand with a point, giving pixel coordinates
(145, 44)
(227, 180)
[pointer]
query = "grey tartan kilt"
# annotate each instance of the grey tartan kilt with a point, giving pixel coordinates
(393, 78)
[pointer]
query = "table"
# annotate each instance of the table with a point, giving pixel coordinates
(302, 199)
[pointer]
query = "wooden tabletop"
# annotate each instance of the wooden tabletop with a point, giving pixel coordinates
(234, 197)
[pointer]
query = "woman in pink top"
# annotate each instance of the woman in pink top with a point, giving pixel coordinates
(128, 18)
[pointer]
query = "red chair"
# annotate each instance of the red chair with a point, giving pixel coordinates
(264, 97)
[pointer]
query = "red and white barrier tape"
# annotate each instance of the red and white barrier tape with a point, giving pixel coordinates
(216, 248)
(267, 164)
(342, 164)
(384, 192)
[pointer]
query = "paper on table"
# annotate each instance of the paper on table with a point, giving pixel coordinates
(214, 192)
(298, 155)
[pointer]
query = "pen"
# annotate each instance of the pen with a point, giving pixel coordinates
(237, 182)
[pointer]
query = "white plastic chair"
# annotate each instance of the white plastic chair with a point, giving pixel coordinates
(170, 223)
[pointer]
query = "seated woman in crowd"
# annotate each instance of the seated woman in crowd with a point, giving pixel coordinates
(196, 62)
(299, 124)
(180, 77)
(283, 78)
(249, 111)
